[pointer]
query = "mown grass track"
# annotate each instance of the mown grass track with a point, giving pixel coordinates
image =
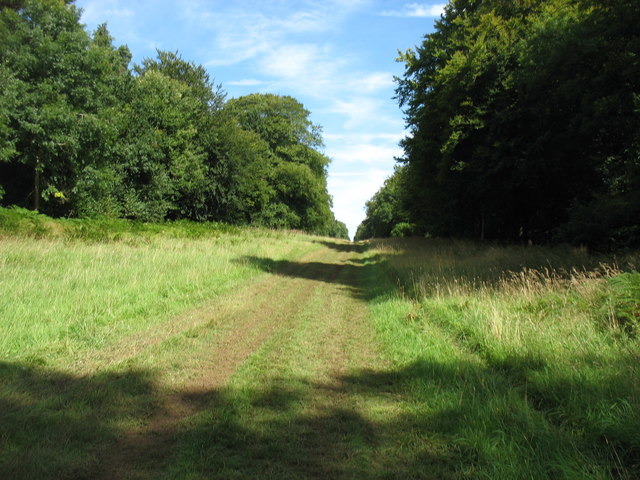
(323, 359)
(261, 316)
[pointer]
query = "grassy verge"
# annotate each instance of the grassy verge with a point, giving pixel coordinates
(76, 305)
(68, 292)
(523, 362)
(20, 222)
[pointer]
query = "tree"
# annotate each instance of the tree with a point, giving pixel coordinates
(297, 174)
(384, 210)
(57, 84)
(172, 65)
(519, 112)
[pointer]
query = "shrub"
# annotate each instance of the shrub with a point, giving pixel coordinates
(403, 229)
(623, 301)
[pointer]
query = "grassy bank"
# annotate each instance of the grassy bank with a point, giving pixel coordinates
(19, 222)
(99, 318)
(519, 362)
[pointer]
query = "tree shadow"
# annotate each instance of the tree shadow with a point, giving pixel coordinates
(279, 431)
(54, 424)
(357, 247)
(351, 276)
(448, 419)
(426, 420)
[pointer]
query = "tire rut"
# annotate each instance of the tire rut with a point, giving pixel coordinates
(275, 301)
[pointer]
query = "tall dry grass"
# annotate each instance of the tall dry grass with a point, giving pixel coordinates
(548, 333)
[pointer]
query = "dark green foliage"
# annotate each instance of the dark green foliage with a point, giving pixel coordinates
(385, 211)
(622, 302)
(403, 229)
(524, 122)
(83, 134)
(296, 184)
(28, 223)
(338, 230)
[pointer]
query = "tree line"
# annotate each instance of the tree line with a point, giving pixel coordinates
(524, 125)
(85, 133)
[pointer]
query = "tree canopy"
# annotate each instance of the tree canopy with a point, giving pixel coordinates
(524, 121)
(85, 133)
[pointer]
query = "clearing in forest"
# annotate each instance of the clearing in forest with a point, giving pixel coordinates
(277, 355)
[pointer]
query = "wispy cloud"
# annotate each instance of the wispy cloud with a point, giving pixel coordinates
(99, 11)
(246, 82)
(419, 10)
(366, 153)
(364, 137)
(241, 31)
(364, 111)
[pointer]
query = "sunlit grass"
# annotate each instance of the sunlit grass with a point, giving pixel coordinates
(526, 353)
(62, 297)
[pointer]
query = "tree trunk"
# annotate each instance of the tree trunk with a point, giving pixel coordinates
(36, 186)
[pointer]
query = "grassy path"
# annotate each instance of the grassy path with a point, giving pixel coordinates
(292, 357)
(266, 364)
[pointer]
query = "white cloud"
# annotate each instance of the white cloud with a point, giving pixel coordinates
(364, 137)
(416, 10)
(297, 62)
(351, 191)
(99, 11)
(364, 112)
(366, 154)
(246, 82)
(373, 82)
(242, 31)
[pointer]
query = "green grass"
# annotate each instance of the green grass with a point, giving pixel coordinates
(20, 222)
(525, 360)
(75, 306)
(68, 289)
(405, 358)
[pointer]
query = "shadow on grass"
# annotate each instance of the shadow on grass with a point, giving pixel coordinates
(354, 275)
(426, 420)
(358, 247)
(53, 425)
(349, 276)
(361, 277)
(292, 429)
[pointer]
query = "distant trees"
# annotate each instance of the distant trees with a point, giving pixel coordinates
(295, 187)
(385, 211)
(82, 133)
(524, 121)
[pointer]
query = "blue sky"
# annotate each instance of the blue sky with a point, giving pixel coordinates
(337, 57)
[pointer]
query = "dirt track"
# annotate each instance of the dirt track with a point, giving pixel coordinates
(325, 286)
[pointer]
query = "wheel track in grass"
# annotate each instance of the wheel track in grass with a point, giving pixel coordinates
(218, 313)
(245, 321)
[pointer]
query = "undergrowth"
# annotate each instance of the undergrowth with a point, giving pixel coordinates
(17, 221)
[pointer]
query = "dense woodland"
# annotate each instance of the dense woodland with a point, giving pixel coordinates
(85, 133)
(524, 125)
